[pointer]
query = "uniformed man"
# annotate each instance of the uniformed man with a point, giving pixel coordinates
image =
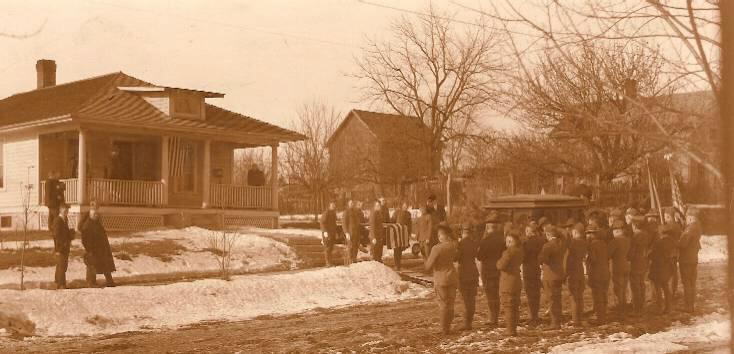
(638, 255)
(468, 272)
(328, 232)
(424, 233)
(676, 231)
(688, 247)
(597, 264)
(531, 246)
(551, 259)
(661, 267)
(490, 251)
(377, 232)
(510, 283)
(575, 258)
(445, 277)
(401, 217)
(619, 248)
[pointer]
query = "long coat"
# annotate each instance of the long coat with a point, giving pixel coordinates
(577, 251)
(661, 267)
(551, 259)
(619, 248)
(467, 255)
(328, 222)
(377, 231)
(597, 261)
(509, 265)
(441, 262)
(94, 239)
(62, 235)
(490, 251)
(426, 226)
(639, 251)
(531, 249)
(352, 223)
(689, 244)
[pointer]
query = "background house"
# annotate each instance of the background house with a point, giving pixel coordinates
(376, 154)
(150, 155)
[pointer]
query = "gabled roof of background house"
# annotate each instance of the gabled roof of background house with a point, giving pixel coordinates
(109, 99)
(385, 126)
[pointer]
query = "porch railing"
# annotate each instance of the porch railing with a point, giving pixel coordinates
(240, 197)
(70, 193)
(126, 192)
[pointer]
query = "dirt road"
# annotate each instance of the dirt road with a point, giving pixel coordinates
(405, 327)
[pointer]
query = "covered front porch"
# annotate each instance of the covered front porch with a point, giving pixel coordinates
(155, 170)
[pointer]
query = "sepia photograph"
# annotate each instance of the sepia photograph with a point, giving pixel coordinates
(366, 176)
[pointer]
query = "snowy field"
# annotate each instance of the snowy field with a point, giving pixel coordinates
(250, 253)
(713, 249)
(704, 330)
(133, 308)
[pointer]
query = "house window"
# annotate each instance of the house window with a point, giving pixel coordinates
(187, 180)
(6, 222)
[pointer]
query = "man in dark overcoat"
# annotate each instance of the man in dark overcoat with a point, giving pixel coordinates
(661, 267)
(377, 232)
(597, 264)
(688, 247)
(577, 251)
(445, 277)
(639, 261)
(532, 245)
(619, 248)
(468, 272)
(329, 232)
(98, 256)
(62, 245)
(510, 282)
(490, 251)
(551, 259)
(352, 225)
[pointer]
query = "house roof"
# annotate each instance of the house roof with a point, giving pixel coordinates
(109, 99)
(386, 126)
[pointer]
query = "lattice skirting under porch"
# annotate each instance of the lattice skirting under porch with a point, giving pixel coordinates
(267, 222)
(43, 220)
(117, 222)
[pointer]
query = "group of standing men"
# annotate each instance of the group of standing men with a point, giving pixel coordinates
(360, 231)
(626, 248)
(98, 254)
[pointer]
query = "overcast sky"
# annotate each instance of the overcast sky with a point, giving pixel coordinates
(268, 57)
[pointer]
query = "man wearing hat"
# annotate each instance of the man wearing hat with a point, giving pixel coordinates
(551, 259)
(377, 232)
(62, 244)
(534, 242)
(445, 278)
(577, 251)
(661, 267)
(468, 273)
(638, 255)
(597, 264)
(669, 218)
(619, 248)
(490, 251)
(688, 247)
(510, 283)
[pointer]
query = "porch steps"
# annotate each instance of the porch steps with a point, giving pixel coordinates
(309, 249)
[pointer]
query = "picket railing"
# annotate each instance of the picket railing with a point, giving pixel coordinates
(126, 192)
(240, 197)
(70, 193)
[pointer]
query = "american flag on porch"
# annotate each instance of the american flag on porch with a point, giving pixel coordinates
(176, 156)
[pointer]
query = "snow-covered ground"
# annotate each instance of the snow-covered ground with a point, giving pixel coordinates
(131, 308)
(250, 253)
(704, 330)
(713, 249)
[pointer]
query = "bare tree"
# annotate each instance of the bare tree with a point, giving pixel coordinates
(306, 163)
(435, 70)
(28, 213)
(222, 243)
(685, 36)
(244, 159)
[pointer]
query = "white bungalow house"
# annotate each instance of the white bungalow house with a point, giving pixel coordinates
(150, 155)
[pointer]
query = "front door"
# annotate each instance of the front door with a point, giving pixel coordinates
(122, 160)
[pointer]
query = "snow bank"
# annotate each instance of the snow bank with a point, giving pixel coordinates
(283, 232)
(709, 329)
(713, 249)
(250, 253)
(131, 308)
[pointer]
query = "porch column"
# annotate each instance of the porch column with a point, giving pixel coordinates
(165, 168)
(274, 176)
(206, 180)
(82, 168)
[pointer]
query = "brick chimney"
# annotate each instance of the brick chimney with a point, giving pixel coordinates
(46, 73)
